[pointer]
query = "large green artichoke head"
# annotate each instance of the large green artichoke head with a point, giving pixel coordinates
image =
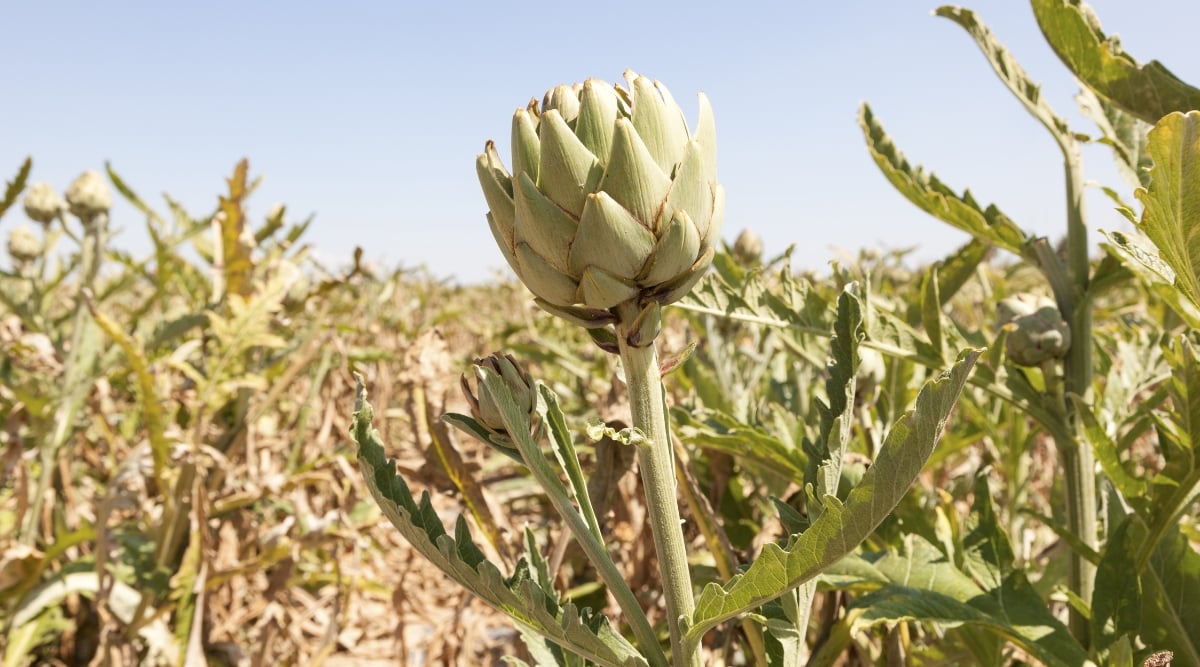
(612, 205)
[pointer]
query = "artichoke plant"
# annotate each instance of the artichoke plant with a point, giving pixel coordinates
(612, 205)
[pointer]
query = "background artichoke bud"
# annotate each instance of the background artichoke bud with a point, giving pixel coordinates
(483, 409)
(611, 199)
(748, 248)
(1036, 330)
(89, 196)
(42, 203)
(24, 245)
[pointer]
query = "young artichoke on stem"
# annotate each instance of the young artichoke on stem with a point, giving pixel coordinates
(613, 209)
(487, 420)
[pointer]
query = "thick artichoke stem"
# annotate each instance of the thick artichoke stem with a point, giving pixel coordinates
(656, 465)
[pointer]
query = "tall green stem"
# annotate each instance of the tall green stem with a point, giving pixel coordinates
(1078, 460)
(657, 467)
(81, 359)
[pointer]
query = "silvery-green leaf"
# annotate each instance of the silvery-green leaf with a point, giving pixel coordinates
(601, 289)
(526, 147)
(690, 191)
(632, 177)
(505, 248)
(597, 118)
(461, 559)
(677, 250)
(659, 122)
(542, 224)
(497, 190)
(706, 136)
(588, 318)
(611, 238)
(542, 279)
(568, 169)
(843, 524)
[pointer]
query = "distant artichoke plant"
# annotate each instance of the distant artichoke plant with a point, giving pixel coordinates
(42, 203)
(89, 196)
(612, 205)
(24, 245)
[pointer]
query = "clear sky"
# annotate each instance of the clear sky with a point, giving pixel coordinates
(370, 115)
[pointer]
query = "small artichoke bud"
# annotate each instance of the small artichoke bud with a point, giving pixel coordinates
(483, 409)
(1036, 330)
(748, 248)
(42, 203)
(24, 245)
(89, 196)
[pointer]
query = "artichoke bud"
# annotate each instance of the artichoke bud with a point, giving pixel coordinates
(748, 248)
(1036, 330)
(24, 245)
(42, 203)
(89, 196)
(612, 200)
(484, 408)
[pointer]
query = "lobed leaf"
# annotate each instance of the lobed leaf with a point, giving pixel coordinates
(986, 592)
(1011, 74)
(1171, 218)
(843, 525)
(1147, 91)
(929, 194)
(13, 188)
(518, 596)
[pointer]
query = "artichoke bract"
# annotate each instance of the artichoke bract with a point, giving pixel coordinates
(612, 205)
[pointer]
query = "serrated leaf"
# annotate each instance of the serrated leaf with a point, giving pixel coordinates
(1124, 133)
(1117, 598)
(716, 430)
(1147, 91)
(928, 588)
(1171, 599)
(929, 194)
(1171, 218)
(843, 525)
(521, 598)
(132, 197)
(825, 473)
(987, 591)
(931, 311)
(13, 188)
(236, 264)
(1011, 74)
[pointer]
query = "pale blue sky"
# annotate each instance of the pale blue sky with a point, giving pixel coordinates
(370, 115)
